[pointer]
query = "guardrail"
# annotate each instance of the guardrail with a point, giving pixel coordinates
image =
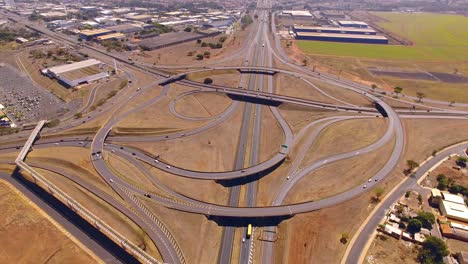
(161, 226)
(87, 215)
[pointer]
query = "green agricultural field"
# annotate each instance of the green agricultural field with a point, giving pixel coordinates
(436, 37)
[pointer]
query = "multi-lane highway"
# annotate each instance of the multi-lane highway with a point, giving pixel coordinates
(260, 54)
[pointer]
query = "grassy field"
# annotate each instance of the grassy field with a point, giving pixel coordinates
(436, 37)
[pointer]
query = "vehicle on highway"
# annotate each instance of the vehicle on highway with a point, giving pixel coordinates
(168, 166)
(156, 160)
(365, 186)
(138, 89)
(287, 178)
(111, 180)
(249, 230)
(243, 240)
(147, 195)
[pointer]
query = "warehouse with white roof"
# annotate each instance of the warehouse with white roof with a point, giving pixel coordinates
(73, 74)
(454, 207)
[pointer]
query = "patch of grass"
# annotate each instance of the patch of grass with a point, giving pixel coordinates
(437, 37)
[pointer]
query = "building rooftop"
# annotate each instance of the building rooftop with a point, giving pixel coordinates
(392, 230)
(455, 210)
(166, 39)
(124, 27)
(111, 36)
(92, 32)
(352, 22)
(436, 193)
(297, 13)
(453, 198)
(334, 35)
(370, 30)
(73, 66)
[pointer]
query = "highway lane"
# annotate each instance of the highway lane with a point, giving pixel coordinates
(165, 245)
(227, 238)
(284, 58)
(357, 248)
(246, 245)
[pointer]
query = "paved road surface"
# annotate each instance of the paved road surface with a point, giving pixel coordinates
(359, 245)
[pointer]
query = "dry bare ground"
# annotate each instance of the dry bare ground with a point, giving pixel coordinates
(315, 236)
(27, 236)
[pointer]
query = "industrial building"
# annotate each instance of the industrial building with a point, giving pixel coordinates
(350, 38)
(113, 36)
(353, 23)
(454, 207)
(93, 33)
(298, 14)
(170, 39)
(125, 28)
(71, 75)
(335, 30)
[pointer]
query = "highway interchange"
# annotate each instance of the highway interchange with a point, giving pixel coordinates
(258, 69)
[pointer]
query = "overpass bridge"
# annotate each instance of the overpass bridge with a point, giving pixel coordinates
(32, 138)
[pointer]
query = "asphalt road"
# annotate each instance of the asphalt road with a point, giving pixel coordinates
(410, 183)
(169, 252)
(227, 238)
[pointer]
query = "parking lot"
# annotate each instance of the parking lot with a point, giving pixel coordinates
(25, 102)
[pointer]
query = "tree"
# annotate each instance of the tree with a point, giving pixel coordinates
(420, 96)
(374, 86)
(412, 164)
(407, 194)
(344, 238)
(304, 62)
(53, 123)
(461, 161)
(78, 115)
(188, 29)
(222, 39)
(414, 226)
(379, 191)
(442, 182)
(452, 103)
(190, 53)
(207, 54)
(199, 56)
(433, 251)
(198, 41)
(208, 81)
(204, 44)
(427, 219)
(398, 90)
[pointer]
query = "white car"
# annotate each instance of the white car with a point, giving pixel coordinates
(287, 178)
(111, 180)
(243, 240)
(369, 180)
(168, 166)
(156, 160)
(365, 186)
